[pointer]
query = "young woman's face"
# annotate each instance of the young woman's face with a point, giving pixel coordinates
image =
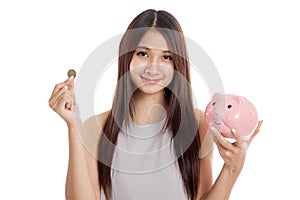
(151, 67)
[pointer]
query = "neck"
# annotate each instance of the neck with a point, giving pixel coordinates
(149, 108)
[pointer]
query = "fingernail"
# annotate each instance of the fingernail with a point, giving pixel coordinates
(233, 131)
(213, 129)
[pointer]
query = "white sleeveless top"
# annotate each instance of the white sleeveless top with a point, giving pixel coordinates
(144, 165)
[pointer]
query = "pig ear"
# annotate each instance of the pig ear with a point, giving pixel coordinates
(237, 99)
(216, 95)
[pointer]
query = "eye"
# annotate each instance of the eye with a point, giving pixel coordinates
(166, 57)
(142, 54)
(229, 106)
(214, 103)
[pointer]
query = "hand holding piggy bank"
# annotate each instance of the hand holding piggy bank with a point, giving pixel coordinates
(227, 112)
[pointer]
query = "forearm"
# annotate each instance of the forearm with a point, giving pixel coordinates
(78, 183)
(223, 185)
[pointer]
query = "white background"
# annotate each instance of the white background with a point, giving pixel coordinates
(255, 46)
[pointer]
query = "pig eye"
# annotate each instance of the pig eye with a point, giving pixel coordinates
(229, 106)
(214, 103)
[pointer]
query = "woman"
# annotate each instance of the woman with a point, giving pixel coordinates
(153, 99)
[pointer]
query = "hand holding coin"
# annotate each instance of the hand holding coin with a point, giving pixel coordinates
(62, 98)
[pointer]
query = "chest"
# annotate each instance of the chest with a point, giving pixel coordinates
(162, 184)
(145, 167)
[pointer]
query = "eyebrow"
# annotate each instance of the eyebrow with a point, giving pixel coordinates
(147, 48)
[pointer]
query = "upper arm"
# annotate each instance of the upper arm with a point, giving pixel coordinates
(90, 135)
(205, 155)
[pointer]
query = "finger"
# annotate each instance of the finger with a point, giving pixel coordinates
(61, 103)
(220, 140)
(68, 106)
(55, 96)
(69, 103)
(66, 95)
(214, 133)
(224, 143)
(61, 92)
(255, 131)
(224, 152)
(71, 85)
(239, 139)
(61, 85)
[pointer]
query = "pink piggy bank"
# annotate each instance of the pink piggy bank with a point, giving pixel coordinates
(227, 111)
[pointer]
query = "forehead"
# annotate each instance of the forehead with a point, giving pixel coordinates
(153, 39)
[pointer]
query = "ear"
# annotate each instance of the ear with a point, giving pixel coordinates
(237, 99)
(216, 95)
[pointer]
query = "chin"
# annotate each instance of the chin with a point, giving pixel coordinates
(153, 89)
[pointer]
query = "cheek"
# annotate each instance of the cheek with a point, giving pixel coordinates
(136, 64)
(132, 65)
(169, 73)
(135, 73)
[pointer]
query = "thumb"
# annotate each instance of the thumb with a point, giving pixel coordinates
(71, 84)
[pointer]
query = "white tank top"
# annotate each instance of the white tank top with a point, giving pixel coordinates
(144, 165)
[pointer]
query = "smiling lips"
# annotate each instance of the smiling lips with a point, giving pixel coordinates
(150, 80)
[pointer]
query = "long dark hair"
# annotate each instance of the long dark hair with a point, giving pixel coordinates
(180, 119)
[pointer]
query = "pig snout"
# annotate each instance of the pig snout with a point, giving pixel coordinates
(217, 118)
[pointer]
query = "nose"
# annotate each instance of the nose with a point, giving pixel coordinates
(153, 65)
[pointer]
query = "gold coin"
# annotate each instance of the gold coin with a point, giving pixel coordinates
(71, 73)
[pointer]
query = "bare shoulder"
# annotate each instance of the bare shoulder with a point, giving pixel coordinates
(101, 118)
(202, 124)
(91, 131)
(206, 138)
(199, 113)
(96, 120)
